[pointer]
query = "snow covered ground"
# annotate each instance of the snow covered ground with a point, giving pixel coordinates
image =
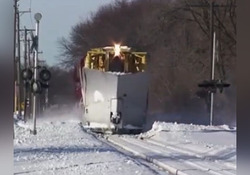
(185, 149)
(61, 147)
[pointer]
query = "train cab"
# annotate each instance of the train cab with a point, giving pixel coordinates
(114, 86)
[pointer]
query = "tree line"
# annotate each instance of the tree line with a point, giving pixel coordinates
(175, 34)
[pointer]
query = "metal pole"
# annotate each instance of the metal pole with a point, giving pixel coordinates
(25, 48)
(28, 52)
(25, 67)
(47, 97)
(214, 54)
(212, 76)
(18, 64)
(212, 59)
(14, 53)
(29, 91)
(35, 79)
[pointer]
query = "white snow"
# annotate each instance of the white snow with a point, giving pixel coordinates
(61, 147)
(119, 73)
(184, 128)
(185, 148)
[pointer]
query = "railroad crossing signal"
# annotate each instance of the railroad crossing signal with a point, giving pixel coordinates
(27, 74)
(213, 85)
(34, 86)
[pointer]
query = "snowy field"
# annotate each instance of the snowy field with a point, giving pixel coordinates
(185, 149)
(62, 147)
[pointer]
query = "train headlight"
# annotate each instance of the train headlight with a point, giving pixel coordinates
(117, 49)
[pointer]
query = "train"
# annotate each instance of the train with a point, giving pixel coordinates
(112, 85)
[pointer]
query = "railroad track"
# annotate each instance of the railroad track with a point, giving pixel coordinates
(175, 159)
(156, 169)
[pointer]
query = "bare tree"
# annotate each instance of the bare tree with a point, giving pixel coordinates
(175, 36)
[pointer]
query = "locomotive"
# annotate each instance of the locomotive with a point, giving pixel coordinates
(112, 87)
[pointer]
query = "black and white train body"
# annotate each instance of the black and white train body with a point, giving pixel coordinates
(114, 89)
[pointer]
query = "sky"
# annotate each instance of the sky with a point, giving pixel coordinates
(58, 17)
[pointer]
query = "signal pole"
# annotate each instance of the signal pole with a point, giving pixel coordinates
(37, 17)
(29, 52)
(29, 92)
(213, 84)
(25, 67)
(47, 97)
(212, 50)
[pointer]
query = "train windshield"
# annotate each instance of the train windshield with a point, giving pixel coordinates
(108, 59)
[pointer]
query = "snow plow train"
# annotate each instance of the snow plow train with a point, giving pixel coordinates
(113, 88)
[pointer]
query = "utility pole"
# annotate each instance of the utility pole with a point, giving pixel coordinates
(14, 53)
(26, 61)
(17, 58)
(18, 64)
(25, 67)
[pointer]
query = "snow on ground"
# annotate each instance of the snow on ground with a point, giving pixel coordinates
(61, 147)
(185, 148)
(220, 135)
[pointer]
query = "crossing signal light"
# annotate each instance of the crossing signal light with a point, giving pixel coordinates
(36, 87)
(45, 75)
(27, 74)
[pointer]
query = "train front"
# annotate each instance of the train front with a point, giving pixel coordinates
(114, 87)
